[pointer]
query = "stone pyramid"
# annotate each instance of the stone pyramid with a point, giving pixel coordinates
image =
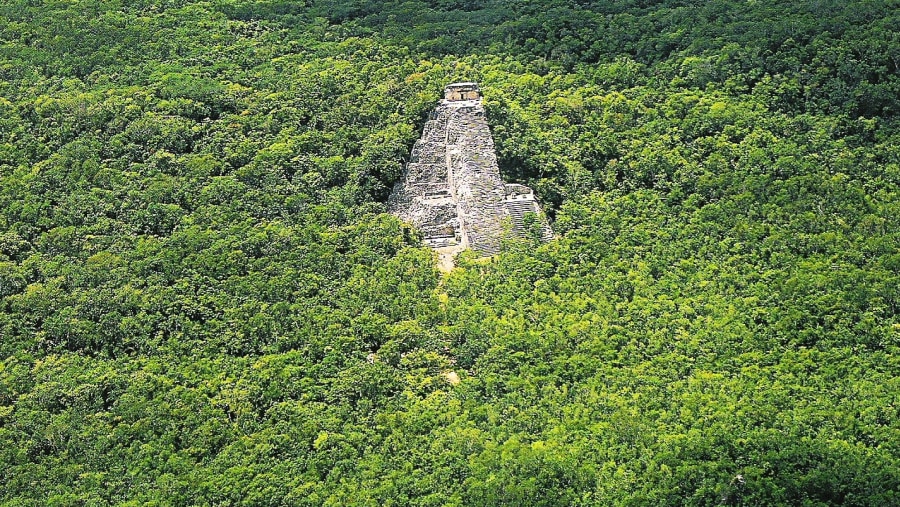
(451, 188)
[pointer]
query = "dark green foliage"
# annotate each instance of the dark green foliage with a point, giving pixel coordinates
(203, 301)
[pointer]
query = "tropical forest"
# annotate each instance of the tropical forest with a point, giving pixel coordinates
(204, 300)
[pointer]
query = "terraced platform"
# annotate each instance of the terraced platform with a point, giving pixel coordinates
(451, 188)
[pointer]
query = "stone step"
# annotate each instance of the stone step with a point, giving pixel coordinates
(429, 154)
(517, 211)
(418, 174)
(433, 128)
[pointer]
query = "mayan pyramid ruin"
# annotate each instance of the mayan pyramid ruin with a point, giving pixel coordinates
(451, 188)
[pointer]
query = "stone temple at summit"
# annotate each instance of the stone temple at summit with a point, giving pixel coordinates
(451, 189)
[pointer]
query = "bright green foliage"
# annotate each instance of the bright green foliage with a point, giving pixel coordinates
(203, 301)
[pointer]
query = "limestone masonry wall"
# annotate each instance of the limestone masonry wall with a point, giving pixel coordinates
(451, 188)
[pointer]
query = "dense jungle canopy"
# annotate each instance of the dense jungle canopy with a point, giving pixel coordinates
(203, 301)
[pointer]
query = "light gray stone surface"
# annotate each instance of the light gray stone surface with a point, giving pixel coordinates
(451, 188)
